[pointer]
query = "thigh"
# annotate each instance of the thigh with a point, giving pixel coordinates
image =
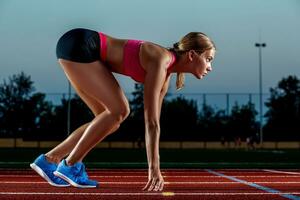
(95, 106)
(95, 80)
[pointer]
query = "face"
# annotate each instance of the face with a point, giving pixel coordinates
(200, 64)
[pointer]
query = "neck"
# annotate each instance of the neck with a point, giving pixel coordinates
(179, 64)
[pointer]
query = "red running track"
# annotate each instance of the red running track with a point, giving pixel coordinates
(179, 184)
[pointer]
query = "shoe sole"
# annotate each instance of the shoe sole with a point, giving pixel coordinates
(64, 177)
(38, 170)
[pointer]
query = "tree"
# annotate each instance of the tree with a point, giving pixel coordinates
(283, 116)
(137, 102)
(242, 123)
(37, 117)
(21, 110)
(179, 119)
(212, 124)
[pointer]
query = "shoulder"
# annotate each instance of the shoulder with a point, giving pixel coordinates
(153, 54)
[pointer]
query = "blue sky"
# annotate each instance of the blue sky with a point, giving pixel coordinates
(30, 29)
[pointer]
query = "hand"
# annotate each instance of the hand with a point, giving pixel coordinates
(155, 180)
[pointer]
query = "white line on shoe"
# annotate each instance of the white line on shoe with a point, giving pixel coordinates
(64, 177)
(38, 170)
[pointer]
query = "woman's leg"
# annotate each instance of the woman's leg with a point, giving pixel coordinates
(64, 148)
(99, 84)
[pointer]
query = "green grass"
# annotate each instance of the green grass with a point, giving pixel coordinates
(170, 158)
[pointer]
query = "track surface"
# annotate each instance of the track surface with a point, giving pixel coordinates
(179, 184)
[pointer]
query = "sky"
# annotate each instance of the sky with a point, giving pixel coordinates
(30, 29)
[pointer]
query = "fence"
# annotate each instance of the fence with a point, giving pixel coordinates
(219, 101)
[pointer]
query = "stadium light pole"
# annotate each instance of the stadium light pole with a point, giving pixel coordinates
(260, 46)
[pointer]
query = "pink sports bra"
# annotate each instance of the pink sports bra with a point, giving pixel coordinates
(131, 62)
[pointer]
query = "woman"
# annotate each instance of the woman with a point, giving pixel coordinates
(88, 59)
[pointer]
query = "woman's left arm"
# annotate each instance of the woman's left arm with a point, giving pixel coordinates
(163, 93)
(154, 82)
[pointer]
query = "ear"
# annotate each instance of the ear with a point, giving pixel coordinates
(191, 54)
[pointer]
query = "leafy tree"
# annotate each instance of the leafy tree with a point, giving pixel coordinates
(217, 125)
(137, 102)
(283, 116)
(21, 109)
(179, 119)
(212, 124)
(242, 121)
(39, 113)
(206, 118)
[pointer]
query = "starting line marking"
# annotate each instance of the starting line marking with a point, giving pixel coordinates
(151, 193)
(266, 189)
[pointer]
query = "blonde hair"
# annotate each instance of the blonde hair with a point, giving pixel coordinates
(192, 41)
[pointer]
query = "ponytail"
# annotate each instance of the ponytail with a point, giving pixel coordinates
(180, 76)
(180, 81)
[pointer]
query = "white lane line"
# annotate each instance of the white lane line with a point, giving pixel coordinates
(260, 187)
(281, 172)
(167, 183)
(150, 193)
(175, 176)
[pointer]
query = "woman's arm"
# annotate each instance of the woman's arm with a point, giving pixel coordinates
(154, 81)
(163, 93)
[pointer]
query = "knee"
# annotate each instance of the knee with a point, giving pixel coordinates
(120, 114)
(124, 112)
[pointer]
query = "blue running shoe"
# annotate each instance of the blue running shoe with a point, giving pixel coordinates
(45, 169)
(75, 175)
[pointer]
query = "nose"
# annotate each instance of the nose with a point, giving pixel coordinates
(209, 68)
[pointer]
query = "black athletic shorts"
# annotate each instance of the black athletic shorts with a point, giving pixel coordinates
(79, 45)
